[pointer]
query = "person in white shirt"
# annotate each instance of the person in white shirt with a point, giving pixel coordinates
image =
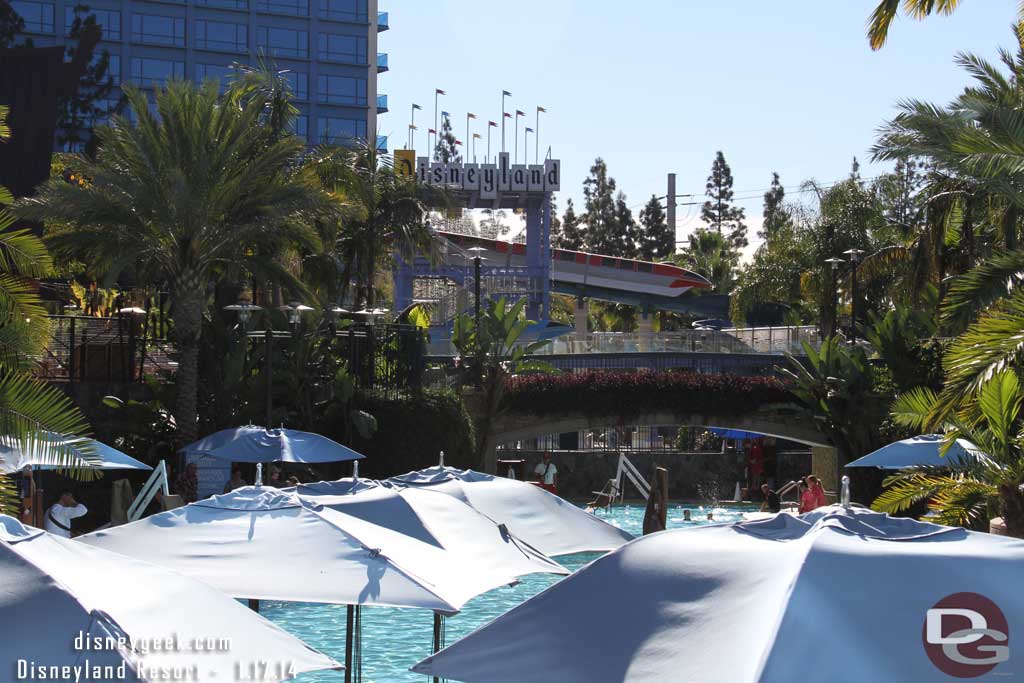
(546, 474)
(60, 514)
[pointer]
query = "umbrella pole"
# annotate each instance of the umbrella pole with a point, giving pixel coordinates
(254, 605)
(349, 618)
(353, 644)
(438, 637)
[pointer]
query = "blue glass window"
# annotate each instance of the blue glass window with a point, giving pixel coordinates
(341, 90)
(38, 16)
(344, 10)
(221, 35)
(298, 8)
(282, 42)
(149, 72)
(108, 19)
(225, 4)
(344, 49)
(300, 126)
(217, 72)
(156, 30)
(340, 131)
(299, 83)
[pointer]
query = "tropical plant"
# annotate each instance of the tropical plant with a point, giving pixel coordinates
(836, 384)
(493, 349)
(881, 19)
(30, 408)
(200, 190)
(899, 340)
(710, 254)
(972, 488)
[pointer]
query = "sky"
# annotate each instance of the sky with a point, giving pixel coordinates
(658, 86)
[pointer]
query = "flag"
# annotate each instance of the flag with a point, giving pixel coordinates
(477, 136)
(506, 93)
(520, 113)
(440, 92)
(492, 124)
(413, 127)
(507, 115)
(529, 130)
(471, 116)
(458, 142)
(416, 106)
(431, 130)
(446, 115)
(542, 109)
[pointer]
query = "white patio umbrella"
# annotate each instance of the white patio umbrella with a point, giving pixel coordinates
(838, 595)
(434, 518)
(265, 544)
(14, 458)
(54, 590)
(255, 444)
(918, 450)
(550, 524)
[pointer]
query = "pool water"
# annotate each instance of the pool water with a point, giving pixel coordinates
(395, 639)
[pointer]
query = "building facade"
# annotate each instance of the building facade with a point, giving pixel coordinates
(328, 49)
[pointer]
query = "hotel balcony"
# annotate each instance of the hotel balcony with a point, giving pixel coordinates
(382, 62)
(382, 144)
(382, 104)
(382, 22)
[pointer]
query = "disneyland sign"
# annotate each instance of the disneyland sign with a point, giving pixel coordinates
(490, 180)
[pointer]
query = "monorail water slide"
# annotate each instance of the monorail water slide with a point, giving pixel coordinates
(649, 286)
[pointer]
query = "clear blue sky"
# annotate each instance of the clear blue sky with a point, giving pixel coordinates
(654, 86)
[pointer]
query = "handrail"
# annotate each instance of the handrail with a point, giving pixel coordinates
(148, 492)
(628, 469)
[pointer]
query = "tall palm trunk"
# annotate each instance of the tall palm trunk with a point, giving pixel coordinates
(1012, 503)
(188, 320)
(1010, 227)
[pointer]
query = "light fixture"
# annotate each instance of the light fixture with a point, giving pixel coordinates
(835, 262)
(245, 309)
(295, 311)
(854, 254)
(132, 310)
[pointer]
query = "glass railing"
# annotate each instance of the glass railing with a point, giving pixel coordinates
(382, 104)
(382, 61)
(382, 21)
(382, 144)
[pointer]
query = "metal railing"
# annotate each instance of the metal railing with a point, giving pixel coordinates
(91, 349)
(768, 341)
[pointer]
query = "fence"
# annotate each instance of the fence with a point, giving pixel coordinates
(89, 349)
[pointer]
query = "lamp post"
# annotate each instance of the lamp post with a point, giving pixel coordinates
(245, 309)
(854, 255)
(834, 323)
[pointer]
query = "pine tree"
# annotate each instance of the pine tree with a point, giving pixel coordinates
(77, 114)
(855, 170)
(600, 218)
(570, 234)
(657, 239)
(775, 215)
(446, 150)
(718, 212)
(625, 239)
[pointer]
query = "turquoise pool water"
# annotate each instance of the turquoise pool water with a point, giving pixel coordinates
(395, 639)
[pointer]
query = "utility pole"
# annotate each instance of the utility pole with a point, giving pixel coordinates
(671, 213)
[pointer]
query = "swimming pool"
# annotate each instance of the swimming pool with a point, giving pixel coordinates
(395, 639)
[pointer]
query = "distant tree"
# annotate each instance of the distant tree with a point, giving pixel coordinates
(570, 234)
(710, 254)
(77, 114)
(11, 26)
(447, 151)
(718, 212)
(775, 215)
(492, 225)
(900, 196)
(855, 170)
(604, 234)
(627, 236)
(657, 238)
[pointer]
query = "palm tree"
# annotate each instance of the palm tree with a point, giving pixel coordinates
(29, 407)
(881, 19)
(385, 215)
(493, 352)
(710, 254)
(991, 420)
(202, 185)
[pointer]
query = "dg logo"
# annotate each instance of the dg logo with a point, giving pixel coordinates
(966, 635)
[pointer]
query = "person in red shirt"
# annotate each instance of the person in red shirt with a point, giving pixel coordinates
(817, 490)
(806, 498)
(755, 464)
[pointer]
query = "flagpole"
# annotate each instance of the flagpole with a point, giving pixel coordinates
(516, 157)
(536, 139)
(437, 93)
(487, 159)
(467, 124)
(412, 126)
(504, 94)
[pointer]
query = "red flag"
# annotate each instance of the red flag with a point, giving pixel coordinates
(542, 109)
(492, 124)
(440, 92)
(458, 142)
(431, 130)
(507, 115)
(520, 113)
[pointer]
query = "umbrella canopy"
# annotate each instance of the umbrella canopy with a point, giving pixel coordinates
(103, 457)
(53, 589)
(858, 595)
(434, 518)
(917, 450)
(548, 523)
(258, 444)
(267, 544)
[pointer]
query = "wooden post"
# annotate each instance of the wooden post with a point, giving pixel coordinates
(656, 514)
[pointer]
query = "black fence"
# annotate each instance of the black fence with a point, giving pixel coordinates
(124, 348)
(386, 359)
